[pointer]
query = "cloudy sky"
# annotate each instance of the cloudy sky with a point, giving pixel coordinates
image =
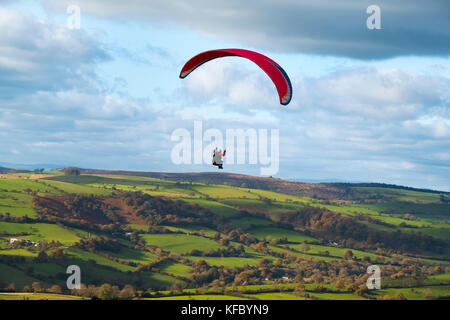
(368, 105)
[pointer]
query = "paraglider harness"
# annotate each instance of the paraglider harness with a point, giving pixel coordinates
(217, 157)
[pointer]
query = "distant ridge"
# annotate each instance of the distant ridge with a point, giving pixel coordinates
(386, 185)
(32, 166)
(297, 188)
(10, 170)
(236, 180)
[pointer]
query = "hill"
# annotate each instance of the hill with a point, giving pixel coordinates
(208, 235)
(331, 190)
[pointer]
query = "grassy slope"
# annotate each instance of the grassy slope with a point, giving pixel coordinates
(222, 200)
(180, 243)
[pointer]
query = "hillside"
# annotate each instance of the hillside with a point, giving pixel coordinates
(296, 188)
(208, 235)
(237, 180)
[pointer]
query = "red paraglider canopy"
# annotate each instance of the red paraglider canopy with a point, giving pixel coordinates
(278, 76)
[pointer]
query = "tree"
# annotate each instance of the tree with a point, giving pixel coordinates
(260, 246)
(304, 247)
(300, 289)
(428, 294)
(36, 286)
(127, 292)
(41, 257)
(340, 284)
(348, 254)
(58, 254)
(176, 288)
(362, 290)
(399, 296)
(106, 292)
(265, 263)
(11, 287)
(55, 289)
(71, 171)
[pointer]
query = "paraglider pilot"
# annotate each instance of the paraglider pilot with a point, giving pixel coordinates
(217, 157)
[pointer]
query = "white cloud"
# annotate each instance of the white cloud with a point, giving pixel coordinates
(37, 55)
(437, 127)
(372, 92)
(302, 26)
(369, 125)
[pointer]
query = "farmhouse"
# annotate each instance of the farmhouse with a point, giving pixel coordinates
(25, 242)
(333, 243)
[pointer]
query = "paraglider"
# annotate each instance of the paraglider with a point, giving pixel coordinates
(278, 76)
(217, 157)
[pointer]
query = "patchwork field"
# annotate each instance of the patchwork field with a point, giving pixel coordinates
(192, 240)
(180, 243)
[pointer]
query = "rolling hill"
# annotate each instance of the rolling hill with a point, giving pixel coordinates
(207, 235)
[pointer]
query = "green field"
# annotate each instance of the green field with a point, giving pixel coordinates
(417, 293)
(13, 228)
(86, 256)
(248, 222)
(229, 262)
(190, 230)
(10, 274)
(133, 255)
(333, 251)
(41, 232)
(278, 233)
(224, 192)
(215, 207)
(336, 296)
(172, 267)
(269, 208)
(302, 255)
(276, 296)
(180, 243)
(273, 268)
